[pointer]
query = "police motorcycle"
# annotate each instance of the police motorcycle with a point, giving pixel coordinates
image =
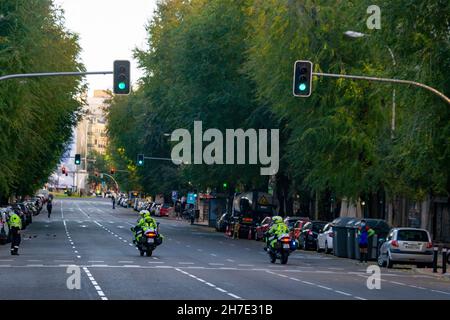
(282, 248)
(148, 240)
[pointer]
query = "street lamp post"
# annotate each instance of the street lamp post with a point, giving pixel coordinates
(354, 34)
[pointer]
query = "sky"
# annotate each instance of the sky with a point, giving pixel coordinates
(108, 30)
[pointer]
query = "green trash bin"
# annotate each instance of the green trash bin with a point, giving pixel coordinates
(351, 234)
(340, 236)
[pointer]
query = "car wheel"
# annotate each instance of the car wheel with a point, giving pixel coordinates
(327, 251)
(380, 261)
(318, 247)
(389, 262)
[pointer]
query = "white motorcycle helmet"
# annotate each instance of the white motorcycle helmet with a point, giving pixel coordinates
(142, 213)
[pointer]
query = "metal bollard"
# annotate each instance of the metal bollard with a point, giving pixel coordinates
(444, 260)
(435, 259)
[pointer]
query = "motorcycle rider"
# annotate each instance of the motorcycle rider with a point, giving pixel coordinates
(278, 228)
(145, 222)
(15, 225)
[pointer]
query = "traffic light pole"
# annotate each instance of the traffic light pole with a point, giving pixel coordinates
(117, 185)
(398, 81)
(165, 159)
(52, 74)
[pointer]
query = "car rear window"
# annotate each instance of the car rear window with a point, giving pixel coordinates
(412, 235)
(317, 226)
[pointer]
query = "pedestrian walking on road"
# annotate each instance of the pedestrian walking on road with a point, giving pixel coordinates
(49, 207)
(364, 232)
(236, 229)
(15, 225)
(113, 201)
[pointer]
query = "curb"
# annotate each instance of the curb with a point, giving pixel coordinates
(436, 275)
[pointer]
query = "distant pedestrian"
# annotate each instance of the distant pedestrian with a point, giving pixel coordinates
(364, 232)
(49, 207)
(236, 229)
(113, 201)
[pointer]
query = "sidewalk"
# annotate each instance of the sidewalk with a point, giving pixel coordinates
(429, 272)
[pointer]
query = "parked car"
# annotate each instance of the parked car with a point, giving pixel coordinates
(262, 228)
(223, 222)
(308, 236)
(164, 210)
(406, 246)
(290, 221)
(325, 239)
(157, 209)
(297, 228)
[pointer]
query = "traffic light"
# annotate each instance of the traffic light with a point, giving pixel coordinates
(225, 185)
(140, 160)
(77, 159)
(121, 77)
(113, 170)
(303, 78)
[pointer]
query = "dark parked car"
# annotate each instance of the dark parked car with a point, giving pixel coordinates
(309, 234)
(223, 222)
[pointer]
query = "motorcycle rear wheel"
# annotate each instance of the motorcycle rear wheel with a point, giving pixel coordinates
(284, 258)
(149, 253)
(141, 252)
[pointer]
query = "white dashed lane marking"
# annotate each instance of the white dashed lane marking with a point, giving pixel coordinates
(208, 284)
(95, 284)
(316, 285)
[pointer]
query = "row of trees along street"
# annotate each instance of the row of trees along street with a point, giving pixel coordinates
(36, 115)
(229, 64)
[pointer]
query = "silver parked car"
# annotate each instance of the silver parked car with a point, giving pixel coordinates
(406, 246)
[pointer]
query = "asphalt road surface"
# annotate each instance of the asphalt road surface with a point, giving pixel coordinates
(194, 263)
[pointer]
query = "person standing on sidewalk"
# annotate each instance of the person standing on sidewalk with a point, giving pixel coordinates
(49, 207)
(364, 232)
(113, 198)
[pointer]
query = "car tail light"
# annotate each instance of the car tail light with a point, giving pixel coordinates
(394, 243)
(429, 245)
(331, 234)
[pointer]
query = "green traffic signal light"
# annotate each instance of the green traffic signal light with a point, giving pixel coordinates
(303, 71)
(140, 160)
(77, 159)
(121, 75)
(225, 184)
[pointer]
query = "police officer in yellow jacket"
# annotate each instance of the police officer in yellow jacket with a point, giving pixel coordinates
(145, 222)
(278, 228)
(15, 225)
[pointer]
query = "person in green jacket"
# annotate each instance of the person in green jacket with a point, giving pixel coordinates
(364, 232)
(278, 228)
(15, 225)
